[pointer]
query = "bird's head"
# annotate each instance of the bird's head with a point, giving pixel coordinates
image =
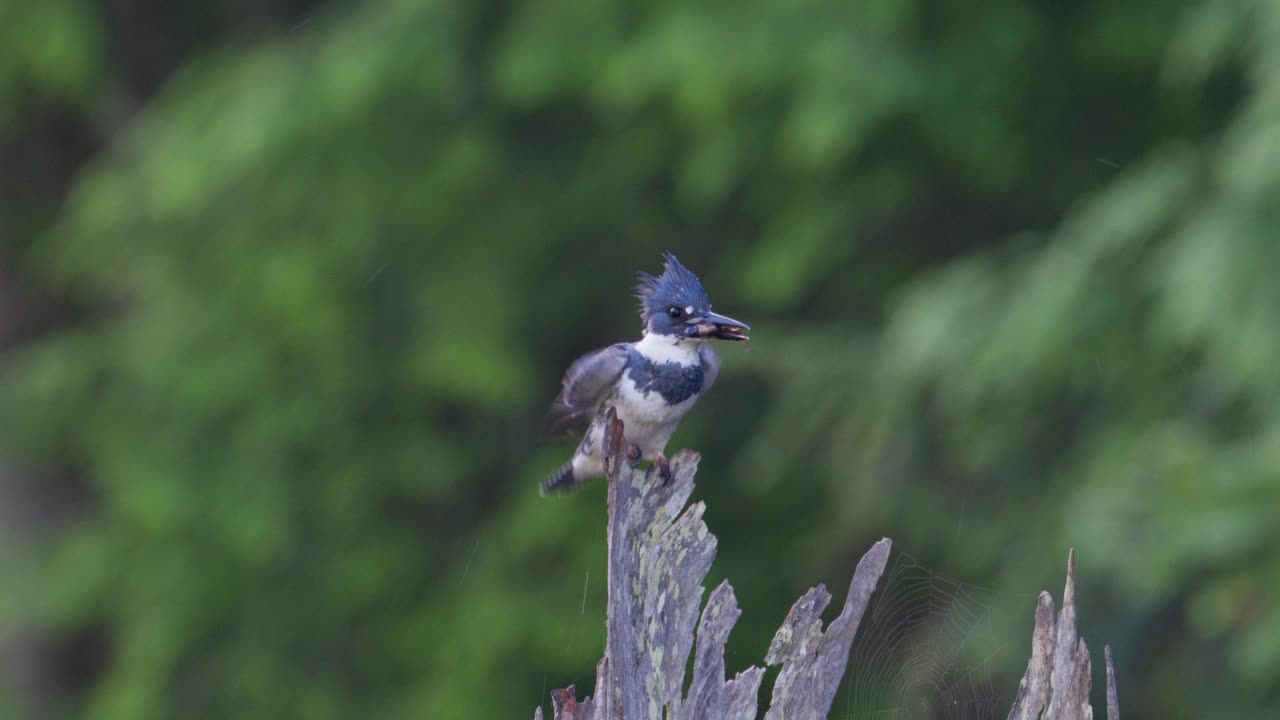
(674, 304)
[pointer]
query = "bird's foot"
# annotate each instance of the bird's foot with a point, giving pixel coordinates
(633, 454)
(664, 469)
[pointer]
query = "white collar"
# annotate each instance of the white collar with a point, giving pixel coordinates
(669, 349)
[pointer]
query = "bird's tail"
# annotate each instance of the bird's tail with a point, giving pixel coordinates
(560, 481)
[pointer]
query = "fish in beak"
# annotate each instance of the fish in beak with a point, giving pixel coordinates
(719, 327)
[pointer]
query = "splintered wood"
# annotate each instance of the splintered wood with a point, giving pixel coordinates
(1056, 683)
(659, 553)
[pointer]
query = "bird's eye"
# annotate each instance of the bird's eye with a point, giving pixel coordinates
(675, 312)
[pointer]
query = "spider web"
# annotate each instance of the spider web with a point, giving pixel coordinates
(923, 651)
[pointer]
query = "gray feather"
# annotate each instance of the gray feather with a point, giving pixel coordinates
(586, 383)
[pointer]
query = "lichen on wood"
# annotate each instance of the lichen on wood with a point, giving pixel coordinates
(659, 554)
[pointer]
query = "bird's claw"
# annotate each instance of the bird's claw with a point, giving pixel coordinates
(664, 469)
(633, 454)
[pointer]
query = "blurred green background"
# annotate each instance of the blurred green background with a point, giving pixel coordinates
(286, 285)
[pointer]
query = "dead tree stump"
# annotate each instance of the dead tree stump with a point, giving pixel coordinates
(659, 554)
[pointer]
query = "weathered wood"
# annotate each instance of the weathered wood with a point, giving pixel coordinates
(744, 693)
(566, 705)
(813, 662)
(1057, 680)
(710, 696)
(708, 693)
(1113, 701)
(658, 557)
(659, 554)
(1034, 689)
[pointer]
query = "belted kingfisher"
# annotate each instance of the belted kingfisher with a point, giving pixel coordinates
(651, 383)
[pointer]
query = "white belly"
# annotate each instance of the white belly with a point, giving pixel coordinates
(647, 420)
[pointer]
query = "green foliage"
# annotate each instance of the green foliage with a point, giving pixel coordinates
(1010, 273)
(48, 49)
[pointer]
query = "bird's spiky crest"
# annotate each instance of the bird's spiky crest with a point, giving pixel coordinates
(677, 284)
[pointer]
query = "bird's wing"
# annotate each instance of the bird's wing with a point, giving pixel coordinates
(585, 384)
(710, 366)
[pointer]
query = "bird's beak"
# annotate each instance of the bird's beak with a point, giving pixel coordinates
(711, 325)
